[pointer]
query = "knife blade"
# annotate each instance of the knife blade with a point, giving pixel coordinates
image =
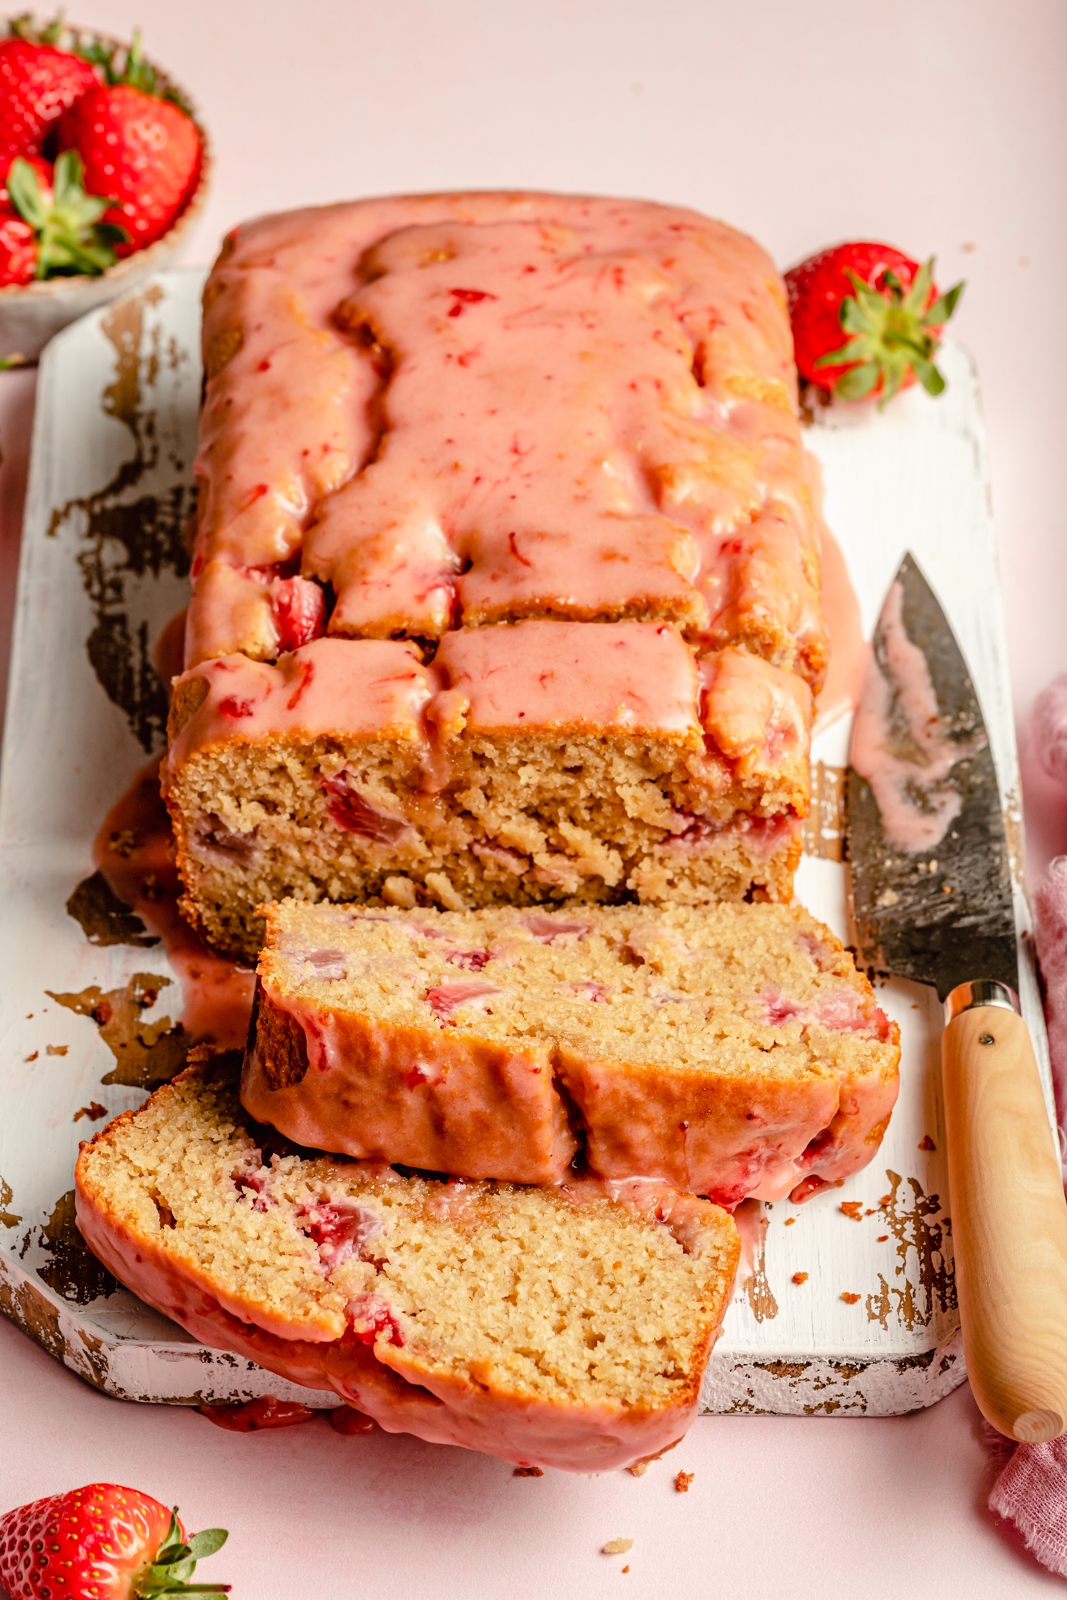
(931, 883)
(931, 895)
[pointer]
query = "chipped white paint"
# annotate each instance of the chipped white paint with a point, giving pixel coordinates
(911, 478)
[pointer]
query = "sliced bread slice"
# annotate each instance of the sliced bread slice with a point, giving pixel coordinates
(731, 1050)
(564, 1327)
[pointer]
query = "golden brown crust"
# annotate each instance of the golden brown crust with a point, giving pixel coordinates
(186, 699)
(277, 1044)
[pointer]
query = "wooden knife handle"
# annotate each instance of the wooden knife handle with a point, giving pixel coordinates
(1009, 1223)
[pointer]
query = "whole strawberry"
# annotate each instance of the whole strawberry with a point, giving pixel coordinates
(37, 84)
(142, 151)
(867, 320)
(102, 1542)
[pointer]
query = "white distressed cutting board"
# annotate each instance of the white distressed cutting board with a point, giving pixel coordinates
(102, 571)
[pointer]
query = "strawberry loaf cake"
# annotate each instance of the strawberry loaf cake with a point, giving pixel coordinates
(730, 1050)
(559, 1327)
(506, 578)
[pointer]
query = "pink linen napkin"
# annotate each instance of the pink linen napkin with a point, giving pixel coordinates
(1050, 940)
(1031, 1494)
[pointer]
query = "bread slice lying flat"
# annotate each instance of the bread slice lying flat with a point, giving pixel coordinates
(555, 1327)
(729, 1050)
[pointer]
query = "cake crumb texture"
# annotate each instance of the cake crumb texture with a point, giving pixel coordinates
(570, 1318)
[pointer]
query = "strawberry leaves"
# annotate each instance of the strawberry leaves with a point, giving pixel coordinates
(71, 237)
(176, 1561)
(892, 332)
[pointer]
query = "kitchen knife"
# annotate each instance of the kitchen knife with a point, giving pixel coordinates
(932, 901)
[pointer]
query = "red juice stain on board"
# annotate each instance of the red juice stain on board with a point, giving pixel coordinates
(134, 851)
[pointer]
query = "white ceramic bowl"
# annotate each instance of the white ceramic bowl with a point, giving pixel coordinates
(31, 313)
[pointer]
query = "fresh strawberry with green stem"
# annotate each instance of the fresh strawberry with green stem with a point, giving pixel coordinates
(887, 307)
(37, 85)
(67, 224)
(102, 1542)
(142, 150)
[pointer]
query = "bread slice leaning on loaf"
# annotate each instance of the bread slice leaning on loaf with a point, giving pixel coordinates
(565, 1327)
(730, 1050)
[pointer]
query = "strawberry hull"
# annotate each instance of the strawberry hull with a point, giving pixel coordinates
(874, 309)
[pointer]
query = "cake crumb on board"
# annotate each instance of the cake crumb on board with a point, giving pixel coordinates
(800, 1277)
(618, 1547)
(683, 1480)
(528, 1472)
(850, 1298)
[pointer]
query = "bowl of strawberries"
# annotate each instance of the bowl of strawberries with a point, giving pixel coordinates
(104, 167)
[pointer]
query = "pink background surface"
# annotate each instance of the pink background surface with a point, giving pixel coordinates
(936, 124)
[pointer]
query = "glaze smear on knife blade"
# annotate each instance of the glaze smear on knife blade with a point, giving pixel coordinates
(931, 887)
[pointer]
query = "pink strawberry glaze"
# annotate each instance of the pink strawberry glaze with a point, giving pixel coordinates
(446, 1101)
(372, 689)
(849, 650)
(431, 1097)
(216, 992)
(632, 676)
(383, 1380)
(899, 743)
(744, 722)
(723, 1136)
(855, 1132)
(532, 434)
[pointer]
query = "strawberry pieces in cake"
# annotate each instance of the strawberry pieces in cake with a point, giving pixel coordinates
(102, 1541)
(867, 320)
(298, 608)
